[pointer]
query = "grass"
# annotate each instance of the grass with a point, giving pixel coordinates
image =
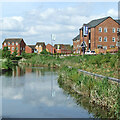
(106, 65)
(100, 91)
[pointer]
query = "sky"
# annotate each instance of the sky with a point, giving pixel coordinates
(36, 21)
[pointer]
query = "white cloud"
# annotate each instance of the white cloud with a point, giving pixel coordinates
(113, 13)
(38, 24)
(13, 24)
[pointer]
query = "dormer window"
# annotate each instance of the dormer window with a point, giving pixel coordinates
(100, 29)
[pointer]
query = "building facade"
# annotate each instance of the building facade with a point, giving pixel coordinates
(14, 43)
(40, 46)
(50, 48)
(102, 34)
(63, 48)
(30, 48)
(76, 44)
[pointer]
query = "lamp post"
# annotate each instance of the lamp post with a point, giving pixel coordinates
(53, 37)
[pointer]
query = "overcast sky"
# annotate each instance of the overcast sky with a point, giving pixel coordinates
(36, 21)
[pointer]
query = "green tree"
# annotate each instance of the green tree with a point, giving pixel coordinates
(14, 53)
(6, 53)
(44, 52)
(23, 54)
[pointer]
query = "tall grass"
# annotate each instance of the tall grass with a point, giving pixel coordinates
(100, 91)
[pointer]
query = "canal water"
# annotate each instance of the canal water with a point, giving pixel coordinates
(33, 92)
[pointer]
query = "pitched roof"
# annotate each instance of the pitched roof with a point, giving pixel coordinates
(76, 38)
(49, 45)
(18, 40)
(118, 21)
(96, 22)
(40, 43)
(32, 46)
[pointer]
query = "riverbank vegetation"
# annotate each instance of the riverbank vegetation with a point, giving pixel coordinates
(101, 92)
(106, 65)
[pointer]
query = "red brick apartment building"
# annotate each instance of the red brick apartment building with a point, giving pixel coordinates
(102, 34)
(30, 48)
(62, 48)
(50, 48)
(76, 44)
(14, 43)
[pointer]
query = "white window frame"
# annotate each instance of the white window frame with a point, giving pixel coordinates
(99, 39)
(8, 43)
(8, 48)
(111, 46)
(104, 39)
(105, 30)
(100, 29)
(118, 30)
(113, 30)
(113, 38)
(5, 43)
(105, 47)
(12, 48)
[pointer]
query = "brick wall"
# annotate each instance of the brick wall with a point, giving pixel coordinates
(28, 49)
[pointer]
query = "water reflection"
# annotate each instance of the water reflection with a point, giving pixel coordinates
(34, 92)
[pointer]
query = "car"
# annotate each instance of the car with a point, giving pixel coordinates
(90, 52)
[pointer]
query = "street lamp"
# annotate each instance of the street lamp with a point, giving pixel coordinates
(53, 37)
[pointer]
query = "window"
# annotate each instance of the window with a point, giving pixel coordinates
(8, 48)
(8, 43)
(21, 48)
(105, 47)
(118, 29)
(99, 46)
(12, 48)
(16, 48)
(13, 43)
(5, 43)
(105, 30)
(100, 39)
(113, 30)
(100, 29)
(113, 39)
(16, 43)
(112, 46)
(105, 39)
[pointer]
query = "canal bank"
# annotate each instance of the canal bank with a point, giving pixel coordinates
(101, 92)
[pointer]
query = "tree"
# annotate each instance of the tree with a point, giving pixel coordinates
(6, 53)
(14, 53)
(44, 52)
(23, 54)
